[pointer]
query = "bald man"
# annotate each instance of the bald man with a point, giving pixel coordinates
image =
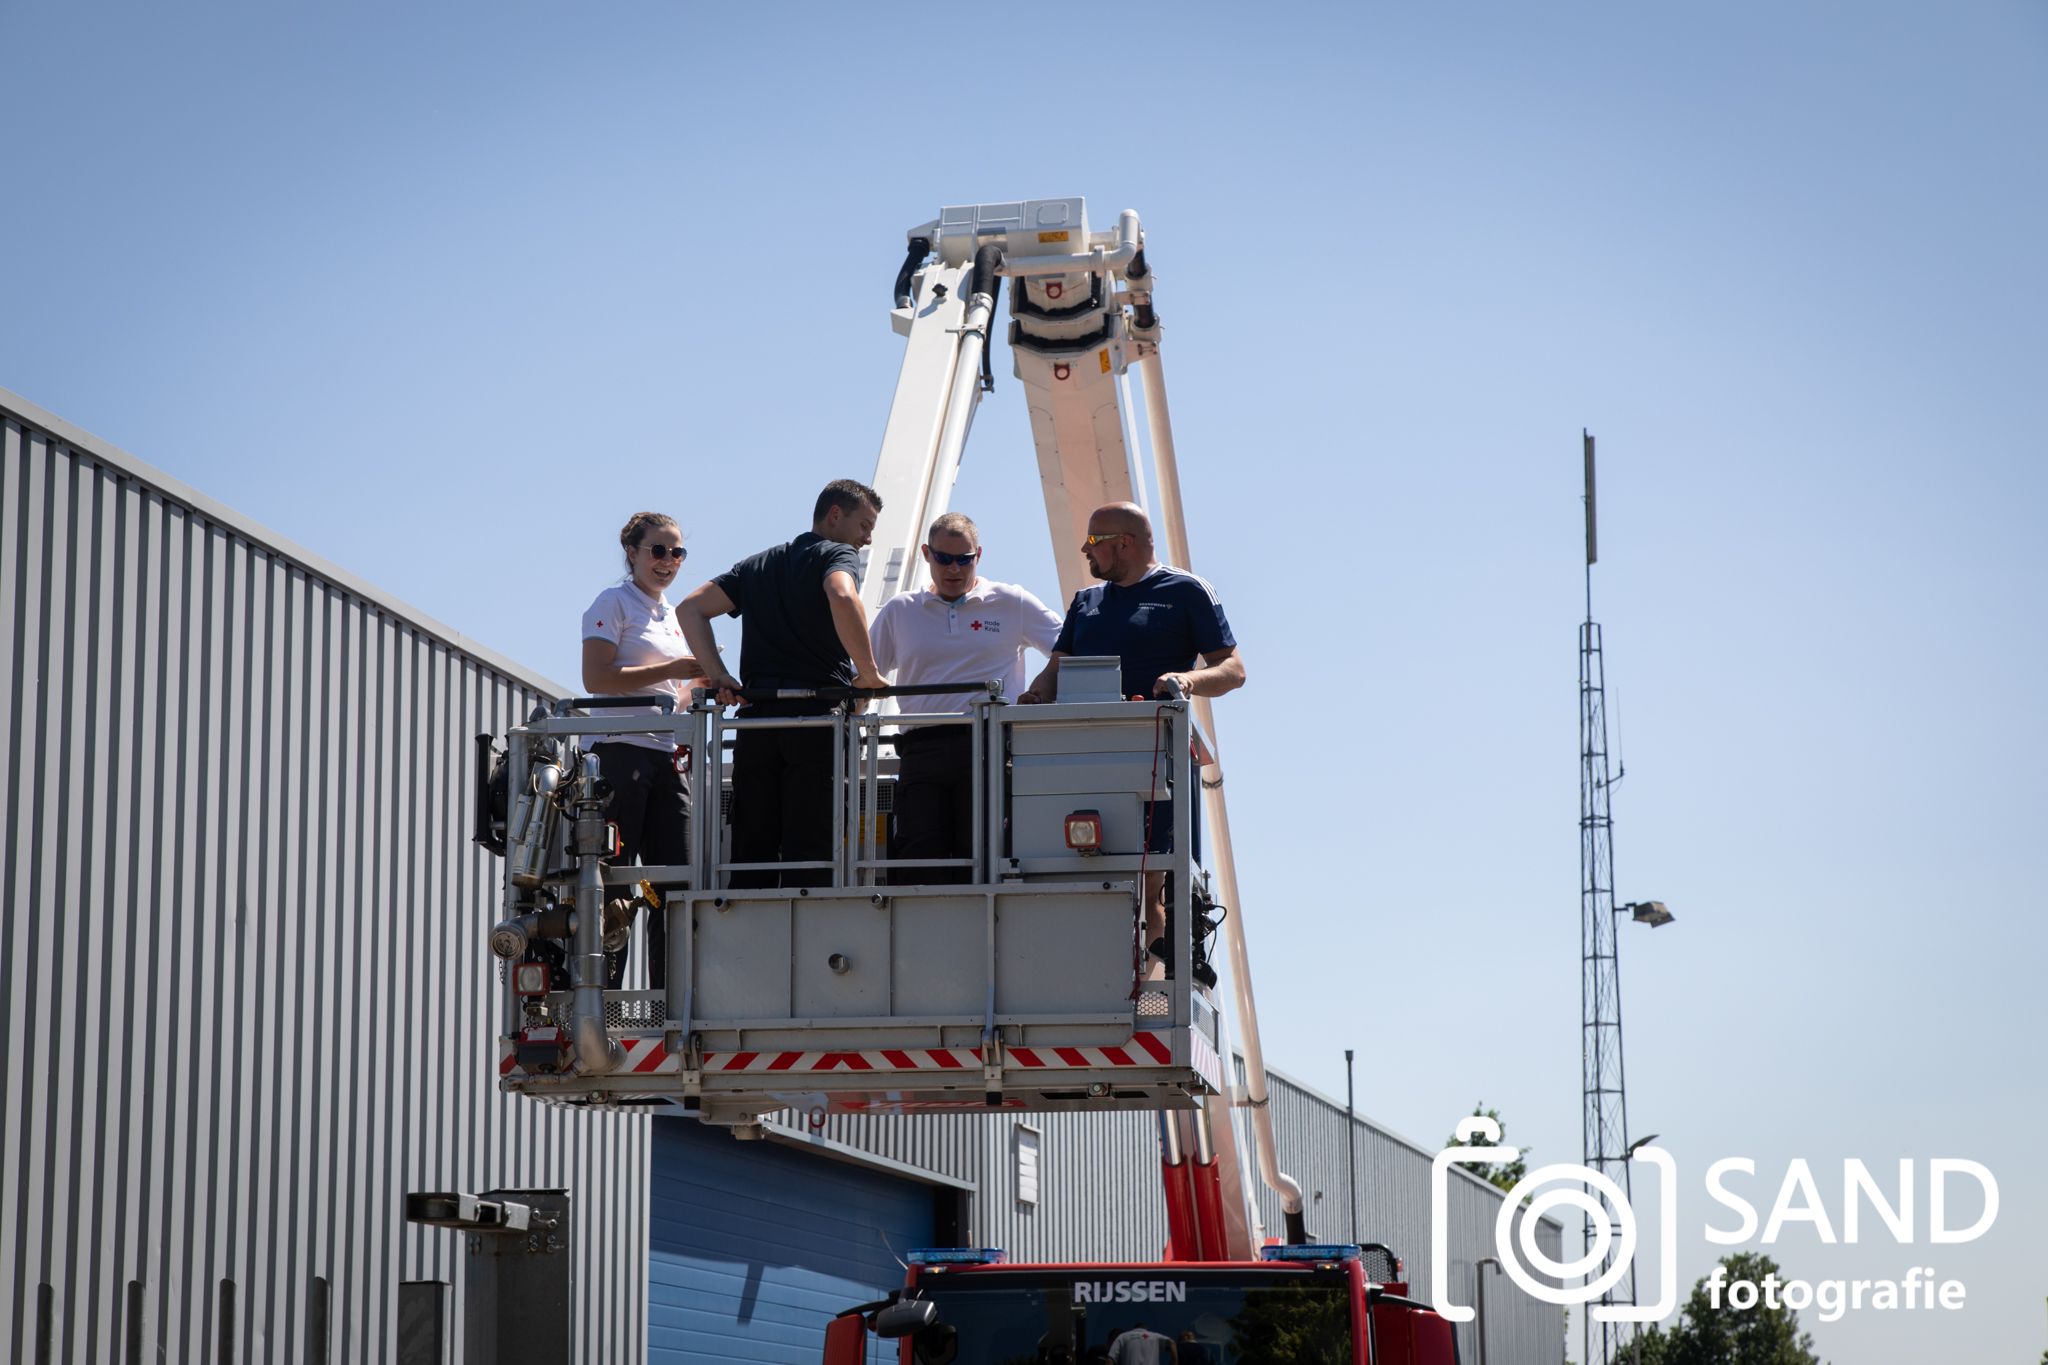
(1160, 621)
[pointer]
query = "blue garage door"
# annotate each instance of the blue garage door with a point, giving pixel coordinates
(754, 1246)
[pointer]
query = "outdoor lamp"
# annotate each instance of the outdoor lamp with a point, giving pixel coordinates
(1652, 913)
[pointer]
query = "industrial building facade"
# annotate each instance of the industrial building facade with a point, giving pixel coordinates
(245, 1002)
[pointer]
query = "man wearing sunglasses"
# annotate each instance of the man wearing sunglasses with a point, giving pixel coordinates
(1161, 621)
(1167, 626)
(965, 629)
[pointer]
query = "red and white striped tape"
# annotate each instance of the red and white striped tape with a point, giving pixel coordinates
(648, 1057)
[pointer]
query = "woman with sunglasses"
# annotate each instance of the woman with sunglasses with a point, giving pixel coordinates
(633, 647)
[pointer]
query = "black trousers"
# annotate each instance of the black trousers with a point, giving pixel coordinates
(934, 815)
(651, 808)
(782, 804)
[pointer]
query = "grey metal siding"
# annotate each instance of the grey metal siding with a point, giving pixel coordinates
(243, 993)
(948, 1144)
(1099, 1195)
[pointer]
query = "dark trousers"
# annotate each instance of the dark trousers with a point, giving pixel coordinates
(651, 808)
(934, 816)
(782, 804)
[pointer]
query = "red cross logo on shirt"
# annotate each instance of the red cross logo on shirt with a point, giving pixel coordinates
(975, 625)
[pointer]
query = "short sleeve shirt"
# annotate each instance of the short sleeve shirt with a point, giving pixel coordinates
(920, 637)
(1163, 623)
(644, 630)
(787, 638)
(1138, 1346)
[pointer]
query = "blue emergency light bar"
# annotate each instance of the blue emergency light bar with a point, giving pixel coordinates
(961, 1255)
(1311, 1251)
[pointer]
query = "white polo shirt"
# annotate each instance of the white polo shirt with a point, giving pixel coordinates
(645, 631)
(1139, 1346)
(920, 637)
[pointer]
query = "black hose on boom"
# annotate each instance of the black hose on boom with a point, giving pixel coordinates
(920, 247)
(1136, 273)
(987, 279)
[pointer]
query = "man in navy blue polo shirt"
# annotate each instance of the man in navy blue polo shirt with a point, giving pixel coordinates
(1165, 624)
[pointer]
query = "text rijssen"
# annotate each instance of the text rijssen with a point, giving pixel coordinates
(1130, 1291)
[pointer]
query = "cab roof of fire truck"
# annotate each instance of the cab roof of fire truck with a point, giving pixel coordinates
(1025, 986)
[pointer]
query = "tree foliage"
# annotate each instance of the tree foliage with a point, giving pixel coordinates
(1505, 1174)
(1708, 1335)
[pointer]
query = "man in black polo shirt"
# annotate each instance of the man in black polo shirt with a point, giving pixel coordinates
(802, 625)
(1161, 622)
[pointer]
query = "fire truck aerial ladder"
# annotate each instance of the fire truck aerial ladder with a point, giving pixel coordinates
(1025, 987)
(1082, 318)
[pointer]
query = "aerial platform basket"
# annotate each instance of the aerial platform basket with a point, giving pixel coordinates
(1023, 987)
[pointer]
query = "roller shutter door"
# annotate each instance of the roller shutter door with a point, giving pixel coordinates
(755, 1245)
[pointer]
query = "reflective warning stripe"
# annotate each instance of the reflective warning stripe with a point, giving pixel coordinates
(1144, 1049)
(648, 1056)
(645, 1056)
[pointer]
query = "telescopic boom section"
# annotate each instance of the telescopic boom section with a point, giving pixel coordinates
(1082, 316)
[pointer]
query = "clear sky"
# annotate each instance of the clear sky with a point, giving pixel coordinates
(443, 293)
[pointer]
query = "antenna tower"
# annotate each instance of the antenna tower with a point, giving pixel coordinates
(1605, 1092)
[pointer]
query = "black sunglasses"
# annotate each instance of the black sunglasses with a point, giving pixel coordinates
(941, 557)
(678, 553)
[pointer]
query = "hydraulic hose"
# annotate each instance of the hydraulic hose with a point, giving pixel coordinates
(988, 261)
(920, 247)
(1137, 274)
(1224, 867)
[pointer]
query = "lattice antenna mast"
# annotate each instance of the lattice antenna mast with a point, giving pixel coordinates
(1604, 1090)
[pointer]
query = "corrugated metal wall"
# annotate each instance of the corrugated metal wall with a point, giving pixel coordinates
(1098, 1188)
(244, 970)
(946, 1143)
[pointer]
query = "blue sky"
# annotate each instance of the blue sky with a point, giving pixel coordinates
(443, 295)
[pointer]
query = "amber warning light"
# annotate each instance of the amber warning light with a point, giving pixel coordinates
(1084, 831)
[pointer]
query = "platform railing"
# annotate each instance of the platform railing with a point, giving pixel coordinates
(1030, 767)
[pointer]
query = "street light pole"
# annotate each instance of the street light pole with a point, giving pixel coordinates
(1350, 1150)
(1479, 1298)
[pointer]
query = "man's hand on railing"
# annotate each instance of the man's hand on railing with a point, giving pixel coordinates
(1174, 686)
(725, 686)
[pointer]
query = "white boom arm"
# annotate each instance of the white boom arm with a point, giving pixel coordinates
(1082, 313)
